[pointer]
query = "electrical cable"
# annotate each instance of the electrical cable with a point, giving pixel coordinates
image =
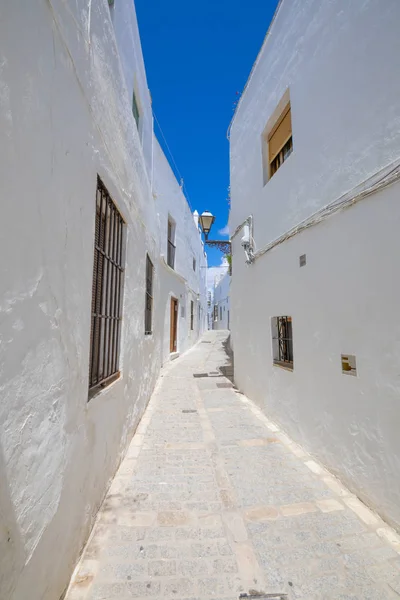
(183, 184)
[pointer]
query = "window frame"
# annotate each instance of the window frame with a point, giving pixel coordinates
(107, 291)
(286, 146)
(149, 299)
(135, 108)
(191, 315)
(171, 247)
(281, 126)
(282, 342)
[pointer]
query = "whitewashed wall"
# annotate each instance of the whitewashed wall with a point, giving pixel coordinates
(222, 302)
(66, 116)
(182, 282)
(338, 60)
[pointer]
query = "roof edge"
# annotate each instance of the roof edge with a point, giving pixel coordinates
(255, 64)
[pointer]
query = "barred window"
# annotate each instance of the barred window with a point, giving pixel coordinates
(282, 341)
(277, 138)
(171, 243)
(148, 316)
(191, 315)
(135, 109)
(107, 291)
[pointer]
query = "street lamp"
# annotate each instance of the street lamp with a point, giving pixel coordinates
(206, 221)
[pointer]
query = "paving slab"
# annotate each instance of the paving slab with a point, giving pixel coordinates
(213, 501)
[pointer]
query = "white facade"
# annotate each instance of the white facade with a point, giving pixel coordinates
(66, 85)
(335, 62)
(187, 281)
(222, 303)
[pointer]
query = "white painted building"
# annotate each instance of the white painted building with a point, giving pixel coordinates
(221, 312)
(78, 163)
(183, 262)
(315, 163)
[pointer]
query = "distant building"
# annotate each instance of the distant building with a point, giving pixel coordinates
(221, 314)
(315, 167)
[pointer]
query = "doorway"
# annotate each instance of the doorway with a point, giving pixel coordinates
(174, 325)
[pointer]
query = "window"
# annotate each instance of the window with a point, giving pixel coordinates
(107, 291)
(135, 109)
(349, 364)
(220, 313)
(148, 315)
(171, 243)
(215, 313)
(282, 341)
(280, 142)
(194, 264)
(191, 315)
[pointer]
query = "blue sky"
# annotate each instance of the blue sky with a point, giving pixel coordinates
(198, 55)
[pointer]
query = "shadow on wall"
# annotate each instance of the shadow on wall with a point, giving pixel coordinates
(12, 555)
(228, 369)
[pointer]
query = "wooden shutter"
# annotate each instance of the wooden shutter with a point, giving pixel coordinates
(280, 134)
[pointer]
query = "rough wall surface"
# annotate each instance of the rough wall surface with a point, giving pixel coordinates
(337, 59)
(66, 116)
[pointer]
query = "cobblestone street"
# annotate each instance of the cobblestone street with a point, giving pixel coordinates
(213, 501)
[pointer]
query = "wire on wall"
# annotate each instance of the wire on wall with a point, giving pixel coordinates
(178, 174)
(378, 182)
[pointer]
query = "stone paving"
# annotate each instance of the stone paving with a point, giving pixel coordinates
(213, 501)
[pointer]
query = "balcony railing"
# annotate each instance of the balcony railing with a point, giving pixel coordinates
(171, 255)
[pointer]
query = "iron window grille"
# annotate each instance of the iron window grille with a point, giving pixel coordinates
(283, 341)
(216, 312)
(282, 156)
(107, 291)
(191, 315)
(171, 245)
(148, 317)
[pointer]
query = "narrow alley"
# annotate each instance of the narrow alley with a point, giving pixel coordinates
(187, 518)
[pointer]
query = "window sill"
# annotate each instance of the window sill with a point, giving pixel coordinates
(283, 365)
(102, 387)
